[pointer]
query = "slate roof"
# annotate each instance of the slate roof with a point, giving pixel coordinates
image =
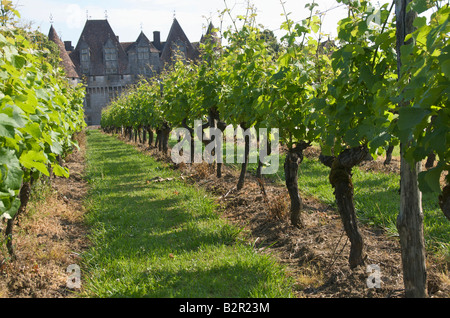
(95, 34)
(142, 37)
(66, 62)
(177, 33)
(210, 34)
(126, 45)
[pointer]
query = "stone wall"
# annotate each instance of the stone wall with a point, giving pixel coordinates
(100, 91)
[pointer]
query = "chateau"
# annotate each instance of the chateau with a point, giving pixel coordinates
(107, 66)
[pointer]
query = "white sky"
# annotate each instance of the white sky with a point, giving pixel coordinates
(127, 16)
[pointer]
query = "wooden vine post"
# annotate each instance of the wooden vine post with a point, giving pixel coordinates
(410, 218)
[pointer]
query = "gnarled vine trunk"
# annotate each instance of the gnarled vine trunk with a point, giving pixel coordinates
(158, 141)
(165, 134)
(24, 196)
(221, 126)
(389, 151)
(130, 133)
(293, 159)
(191, 134)
(212, 115)
(341, 180)
(268, 147)
(291, 163)
(150, 136)
(444, 201)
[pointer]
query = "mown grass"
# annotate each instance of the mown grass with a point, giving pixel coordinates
(163, 239)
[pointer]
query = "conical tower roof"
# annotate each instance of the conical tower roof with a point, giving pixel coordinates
(66, 62)
(177, 34)
(142, 38)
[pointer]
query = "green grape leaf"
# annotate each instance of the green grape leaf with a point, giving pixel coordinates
(410, 117)
(429, 180)
(33, 159)
(60, 171)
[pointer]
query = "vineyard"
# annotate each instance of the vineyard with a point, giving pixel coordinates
(336, 111)
(355, 98)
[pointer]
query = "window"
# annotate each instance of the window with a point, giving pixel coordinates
(111, 63)
(110, 54)
(111, 67)
(179, 50)
(85, 55)
(84, 58)
(88, 100)
(143, 53)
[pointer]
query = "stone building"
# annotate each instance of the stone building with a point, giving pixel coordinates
(107, 66)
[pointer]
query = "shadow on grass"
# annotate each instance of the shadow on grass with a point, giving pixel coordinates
(137, 224)
(221, 281)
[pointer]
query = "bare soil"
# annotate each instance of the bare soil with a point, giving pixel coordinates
(49, 237)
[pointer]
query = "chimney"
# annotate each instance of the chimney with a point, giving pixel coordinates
(68, 46)
(117, 37)
(157, 39)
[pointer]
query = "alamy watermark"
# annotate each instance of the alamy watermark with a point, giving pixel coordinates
(374, 279)
(234, 146)
(74, 279)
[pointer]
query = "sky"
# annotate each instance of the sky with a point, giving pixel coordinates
(128, 17)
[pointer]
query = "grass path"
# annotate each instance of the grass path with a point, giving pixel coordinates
(163, 239)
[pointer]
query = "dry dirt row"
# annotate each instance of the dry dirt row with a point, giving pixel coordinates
(48, 238)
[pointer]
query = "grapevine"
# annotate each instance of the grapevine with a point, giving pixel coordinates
(348, 98)
(39, 114)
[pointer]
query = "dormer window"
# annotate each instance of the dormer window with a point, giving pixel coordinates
(179, 50)
(110, 58)
(84, 59)
(143, 53)
(143, 60)
(110, 54)
(85, 55)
